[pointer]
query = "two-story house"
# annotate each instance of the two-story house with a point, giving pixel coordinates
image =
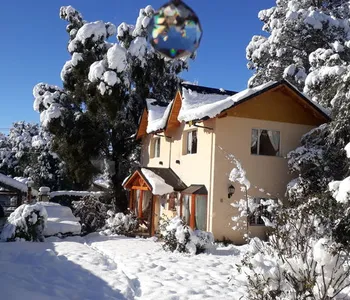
(186, 148)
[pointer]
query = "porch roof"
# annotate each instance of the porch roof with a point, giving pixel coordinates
(167, 174)
(198, 189)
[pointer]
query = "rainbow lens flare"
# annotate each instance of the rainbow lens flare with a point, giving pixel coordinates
(175, 30)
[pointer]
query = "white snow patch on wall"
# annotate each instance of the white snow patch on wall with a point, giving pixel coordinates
(159, 187)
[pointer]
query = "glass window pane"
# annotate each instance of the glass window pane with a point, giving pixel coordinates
(269, 142)
(189, 142)
(254, 142)
(157, 147)
(201, 212)
(186, 208)
(194, 142)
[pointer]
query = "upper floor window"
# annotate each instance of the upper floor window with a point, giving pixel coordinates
(265, 142)
(156, 147)
(192, 142)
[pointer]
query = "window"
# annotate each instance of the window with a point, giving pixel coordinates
(265, 142)
(156, 147)
(192, 142)
(194, 211)
(260, 211)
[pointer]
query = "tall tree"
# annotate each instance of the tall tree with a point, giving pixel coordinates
(295, 29)
(26, 152)
(105, 84)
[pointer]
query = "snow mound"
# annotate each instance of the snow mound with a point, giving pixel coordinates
(22, 222)
(60, 220)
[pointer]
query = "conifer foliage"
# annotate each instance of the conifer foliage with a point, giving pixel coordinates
(94, 116)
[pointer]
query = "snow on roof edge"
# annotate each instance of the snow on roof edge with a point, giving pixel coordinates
(211, 110)
(16, 184)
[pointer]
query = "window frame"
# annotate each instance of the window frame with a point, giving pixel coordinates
(156, 144)
(192, 209)
(189, 133)
(259, 130)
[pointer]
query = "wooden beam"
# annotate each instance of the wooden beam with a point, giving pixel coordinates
(141, 188)
(193, 212)
(154, 198)
(140, 204)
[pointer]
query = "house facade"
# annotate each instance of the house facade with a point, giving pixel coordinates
(188, 146)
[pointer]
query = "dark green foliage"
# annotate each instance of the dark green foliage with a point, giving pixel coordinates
(92, 214)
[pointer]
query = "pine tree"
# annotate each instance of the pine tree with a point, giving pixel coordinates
(26, 152)
(94, 116)
(296, 28)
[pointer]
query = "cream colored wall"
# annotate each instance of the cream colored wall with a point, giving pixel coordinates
(147, 150)
(191, 168)
(269, 173)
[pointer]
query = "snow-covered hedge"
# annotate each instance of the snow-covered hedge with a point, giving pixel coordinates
(178, 236)
(27, 222)
(91, 212)
(120, 223)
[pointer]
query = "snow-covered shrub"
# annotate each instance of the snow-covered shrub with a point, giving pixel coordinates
(119, 223)
(92, 213)
(302, 258)
(27, 222)
(178, 236)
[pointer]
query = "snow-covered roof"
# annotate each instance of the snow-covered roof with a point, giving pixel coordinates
(75, 193)
(19, 184)
(197, 105)
(157, 115)
(159, 187)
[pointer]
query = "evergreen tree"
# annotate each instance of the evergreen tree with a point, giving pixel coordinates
(296, 28)
(94, 116)
(26, 152)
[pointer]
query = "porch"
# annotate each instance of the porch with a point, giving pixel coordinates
(156, 193)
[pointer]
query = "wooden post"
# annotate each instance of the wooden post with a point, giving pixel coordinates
(193, 212)
(140, 204)
(153, 210)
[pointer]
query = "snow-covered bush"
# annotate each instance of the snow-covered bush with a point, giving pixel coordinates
(92, 213)
(119, 223)
(27, 222)
(178, 236)
(302, 258)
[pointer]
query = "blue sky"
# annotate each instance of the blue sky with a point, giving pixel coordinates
(34, 44)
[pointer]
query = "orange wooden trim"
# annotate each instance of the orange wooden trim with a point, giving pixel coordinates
(132, 178)
(193, 212)
(142, 129)
(140, 204)
(174, 112)
(152, 215)
(142, 188)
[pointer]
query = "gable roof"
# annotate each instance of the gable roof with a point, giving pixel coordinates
(197, 103)
(168, 175)
(157, 115)
(198, 106)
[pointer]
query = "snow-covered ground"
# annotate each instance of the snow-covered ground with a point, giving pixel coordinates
(117, 267)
